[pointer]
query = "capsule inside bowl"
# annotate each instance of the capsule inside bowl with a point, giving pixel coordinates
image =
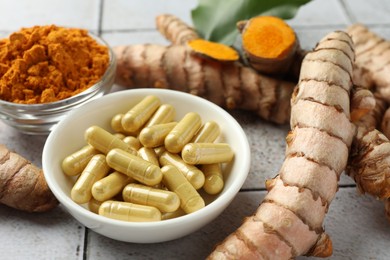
(69, 136)
(162, 181)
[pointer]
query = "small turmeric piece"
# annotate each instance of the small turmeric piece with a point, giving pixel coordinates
(288, 223)
(269, 43)
(44, 64)
(22, 184)
(213, 50)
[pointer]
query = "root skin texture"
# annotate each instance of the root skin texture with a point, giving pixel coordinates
(174, 29)
(370, 154)
(22, 185)
(288, 223)
(372, 59)
(229, 85)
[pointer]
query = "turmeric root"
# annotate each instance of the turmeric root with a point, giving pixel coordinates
(178, 32)
(269, 43)
(230, 85)
(372, 59)
(369, 161)
(362, 103)
(22, 185)
(174, 29)
(288, 223)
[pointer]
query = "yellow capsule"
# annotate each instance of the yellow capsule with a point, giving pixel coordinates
(119, 135)
(153, 136)
(213, 183)
(116, 123)
(190, 172)
(159, 151)
(190, 200)
(75, 163)
(137, 116)
(104, 141)
(109, 186)
(183, 132)
(148, 154)
(170, 215)
(206, 153)
(133, 142)
(96, 169)
(127, 211)
(208, 133)
(93, 205)
(134, 166)
(164, 200)
(164, 114)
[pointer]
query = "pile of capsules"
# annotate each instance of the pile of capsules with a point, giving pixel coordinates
(152, 167)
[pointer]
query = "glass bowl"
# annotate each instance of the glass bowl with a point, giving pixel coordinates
(39, 119)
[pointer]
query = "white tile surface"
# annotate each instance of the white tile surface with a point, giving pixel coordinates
(138, 15)
(51, 235)
(320, 13)
(26, 13)
(362, 11)
(356, 223)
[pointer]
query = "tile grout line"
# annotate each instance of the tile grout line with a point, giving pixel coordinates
(85, 242)
(100, 19)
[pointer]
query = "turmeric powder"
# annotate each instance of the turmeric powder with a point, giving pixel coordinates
(44, 64)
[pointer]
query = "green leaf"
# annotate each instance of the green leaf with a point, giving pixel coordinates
(216, 20)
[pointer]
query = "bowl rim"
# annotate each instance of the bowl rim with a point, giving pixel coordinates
(213, 206)
(70, 100)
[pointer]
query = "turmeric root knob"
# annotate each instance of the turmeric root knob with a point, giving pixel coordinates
(174, 29)
(22, 184)
(213, 50)
(269, 43)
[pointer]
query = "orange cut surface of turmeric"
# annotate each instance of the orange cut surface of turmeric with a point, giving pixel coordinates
(268, 37)
(214, 50)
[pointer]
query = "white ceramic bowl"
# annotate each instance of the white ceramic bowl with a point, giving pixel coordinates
(68, 136)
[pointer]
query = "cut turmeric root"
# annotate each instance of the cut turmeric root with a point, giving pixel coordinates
(289, 221)
(213, 50)
(269, 43)
(179, 33)
(22, 184)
